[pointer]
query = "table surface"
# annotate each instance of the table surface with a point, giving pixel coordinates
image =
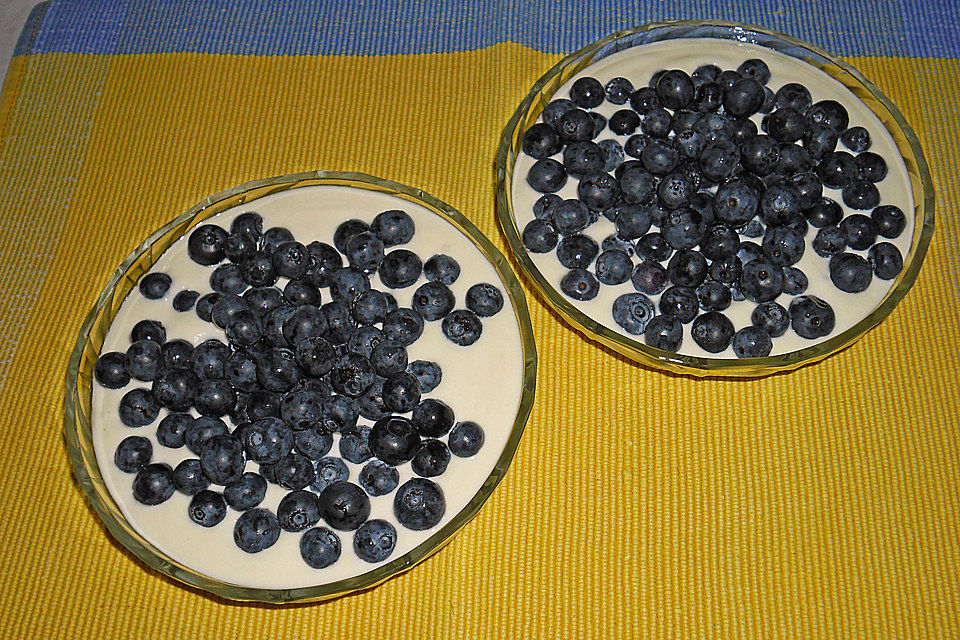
(822, 503)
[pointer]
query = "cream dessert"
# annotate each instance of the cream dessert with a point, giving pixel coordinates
(638, 65)
(481, 383)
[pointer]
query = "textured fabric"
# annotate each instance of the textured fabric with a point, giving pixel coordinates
(821, 503)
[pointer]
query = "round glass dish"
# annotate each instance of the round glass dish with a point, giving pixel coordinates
(79, 411)
(904, 139)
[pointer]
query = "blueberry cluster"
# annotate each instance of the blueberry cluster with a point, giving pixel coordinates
(294, 374)
(689, 180)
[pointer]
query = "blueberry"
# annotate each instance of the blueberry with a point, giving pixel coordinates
(111, 370)
(340, 325)
(248, 222)
(632, 221)
(205, 245)
(749, 251)
(539, 237)
(324, 262)
(644, 99)
(587, 92)
(246, 492)
(138, 407)
(598, 191)
(375, 540)
(675, 190)
(393, 227)
(785, 125)
(320, 547)
(189, 478)
(889, 220)
(256, 530)
(756, 69)
(428, 373)
(794, 159)
(659, 158)
(348, 283)
(633, 311)
(795, 281)
(824, 213)
(837, 169)
(820, 140)
(829, 241)
(761, 280)
(857, 139)
(314, 442)
(388, 357)
(859, 231)
(364, 252)
(613, 267)
(829, 113)
(794, 96)
(555, 109)
(264, 300)
(484, 299)
(657, 123)
(707, 71)
(575, 125)
(328, 471)
(687, 268)
(744, 98)
(339, 413)
(751, 342)
(779, 203)
(783, 246)
(400, 268)
(267, 440)
(394, 440)
(244, 329)
(653, 246)
(419, 504)
(618, 90)
(613, 241)
(184, 300)
(811, 317)
(264, 404)
(433, 300)
(664, 332)
(541, 141)
(227, 308)
(708, 97)
(143, 360)
(713, 296)
(298, 510)
(354, 445)
(205, 306)
(719, 160)
(305, 322)
(257, 270)
(624, 122)
(173, 427)
(690, 144)
(155, 285)
(713, 331)
(300, 408)
(239, 246)
(175, 388)
(675, 89)
(222, 459)
(683, 228)
(714, 127)
(726, 270)
(401, 392)
(133, 453)
(403, 325)
(153, 484)
(861, 195)
(580, 284)
(344, 506)
(176, 353)
(299, 292)
(753, 229)
(850, 272)
(378, 478)
(207, 508)
(201, 430)
(760, 155)
(649, 277)
(277, 370)
(680, 302)
(613, 154)
(886, 260)
(431, 459)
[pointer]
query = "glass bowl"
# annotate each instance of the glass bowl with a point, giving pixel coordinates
(78, 401)
(544, 90)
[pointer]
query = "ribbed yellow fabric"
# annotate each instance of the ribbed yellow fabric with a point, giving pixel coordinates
(821, 503)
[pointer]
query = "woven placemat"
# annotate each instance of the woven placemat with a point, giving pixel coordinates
(819, 503)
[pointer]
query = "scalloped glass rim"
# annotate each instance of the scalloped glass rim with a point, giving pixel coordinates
(906, 140)
(77, 403)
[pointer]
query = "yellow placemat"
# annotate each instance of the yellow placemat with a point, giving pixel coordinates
(819, 503)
